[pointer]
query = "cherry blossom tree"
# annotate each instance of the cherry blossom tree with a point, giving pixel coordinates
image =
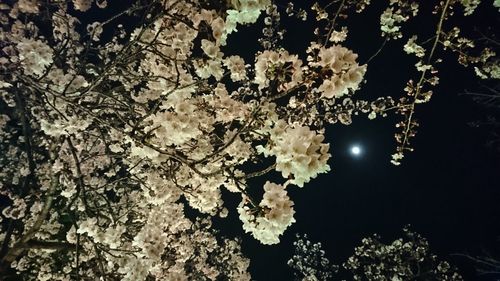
(406, 258)
(116, 118)
(488, 97)
(309, 261)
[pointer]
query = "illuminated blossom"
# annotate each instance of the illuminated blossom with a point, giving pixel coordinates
(278, 66)
(275, 213)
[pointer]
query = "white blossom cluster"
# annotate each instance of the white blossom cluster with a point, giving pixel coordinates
(184, 119)
(236, 65)
(3, 123)
(407, 258)
(389, 23)
(63, 127)
(206, 194)
(213, 65)
(155, 236)
(340, 71)
(411, 47)
(397, 13)
(227, 107)
(34, 55)
(309, 261)
(243, 12)
(299, 152)
(469, 6)
(82, 5)
(489, 71)
(278, 66)
(58, 81)
(338, 36)
(271, 217)
(404, 259)
(16, 210)
(28, 6)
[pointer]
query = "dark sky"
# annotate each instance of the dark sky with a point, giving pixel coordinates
(447, 189)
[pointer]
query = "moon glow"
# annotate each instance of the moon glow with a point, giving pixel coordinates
(356, 150)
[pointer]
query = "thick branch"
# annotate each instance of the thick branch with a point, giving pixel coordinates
(27, 140)
(22, 244)
(50, 245)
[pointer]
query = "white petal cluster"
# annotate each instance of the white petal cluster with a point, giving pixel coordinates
(236, 66)
(342, 72)
(155, 236)
(134, 269)
(489, 70)
(60, 127)
(397, 261)
(205, 69)
(3, 122)
(160, 190)
(205, 194)
(152, 241)
(244, 12)
(388, 22)
(299, 152)
(63, 27)
(239, 151)
(212, 66)
(227, 108)
(206, 197)
(216, 23)
(469, 6)
(89, 226)
(28, 6)
(69, 82)
(279, 66)
(210, 48)
(184, 119)
(95, 30)
(309, 260)
(35, 56)
(397, 13)
(411, 47)
(82, 5)
(338, 36)
(274, 216)
(15, 211)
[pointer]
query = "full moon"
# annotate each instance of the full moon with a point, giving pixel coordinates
(355, 150)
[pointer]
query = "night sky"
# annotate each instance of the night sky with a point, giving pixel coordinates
(447, 189)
